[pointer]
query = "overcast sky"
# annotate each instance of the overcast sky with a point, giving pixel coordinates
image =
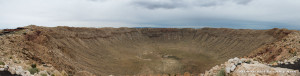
(246, 14)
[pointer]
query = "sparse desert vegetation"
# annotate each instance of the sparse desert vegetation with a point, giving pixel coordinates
(221, 72)
(2, 63)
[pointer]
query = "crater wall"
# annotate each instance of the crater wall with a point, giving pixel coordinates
(131, 51)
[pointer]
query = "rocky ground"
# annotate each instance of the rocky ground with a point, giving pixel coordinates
(11, 61)
(279, 58)
(20, 67)
(285, 50)
(248, 67)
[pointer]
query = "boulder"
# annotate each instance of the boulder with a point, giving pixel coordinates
(19, 70)
(2, 69)
(227, 69)
(43, 72)
(232, 68)
(6, 66)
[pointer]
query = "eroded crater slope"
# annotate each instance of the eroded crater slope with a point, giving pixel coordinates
(129, 51)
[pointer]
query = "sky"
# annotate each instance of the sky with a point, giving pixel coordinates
(238, 14)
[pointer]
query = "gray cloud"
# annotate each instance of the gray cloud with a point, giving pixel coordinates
(171, 4)
(242, 1)
(167, 4)
(162, 13)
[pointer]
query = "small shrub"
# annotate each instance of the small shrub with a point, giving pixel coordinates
(2, 63)
(43, 74)
(33, 65)
(295, 53)
(15, 61)
(221, 72)
(52, 75)
(255, 59)
(33, 70)
(273, 62)
(248, 61)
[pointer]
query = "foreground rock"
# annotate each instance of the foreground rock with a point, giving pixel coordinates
(13, 66)
(262, 69)
(248, 67)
